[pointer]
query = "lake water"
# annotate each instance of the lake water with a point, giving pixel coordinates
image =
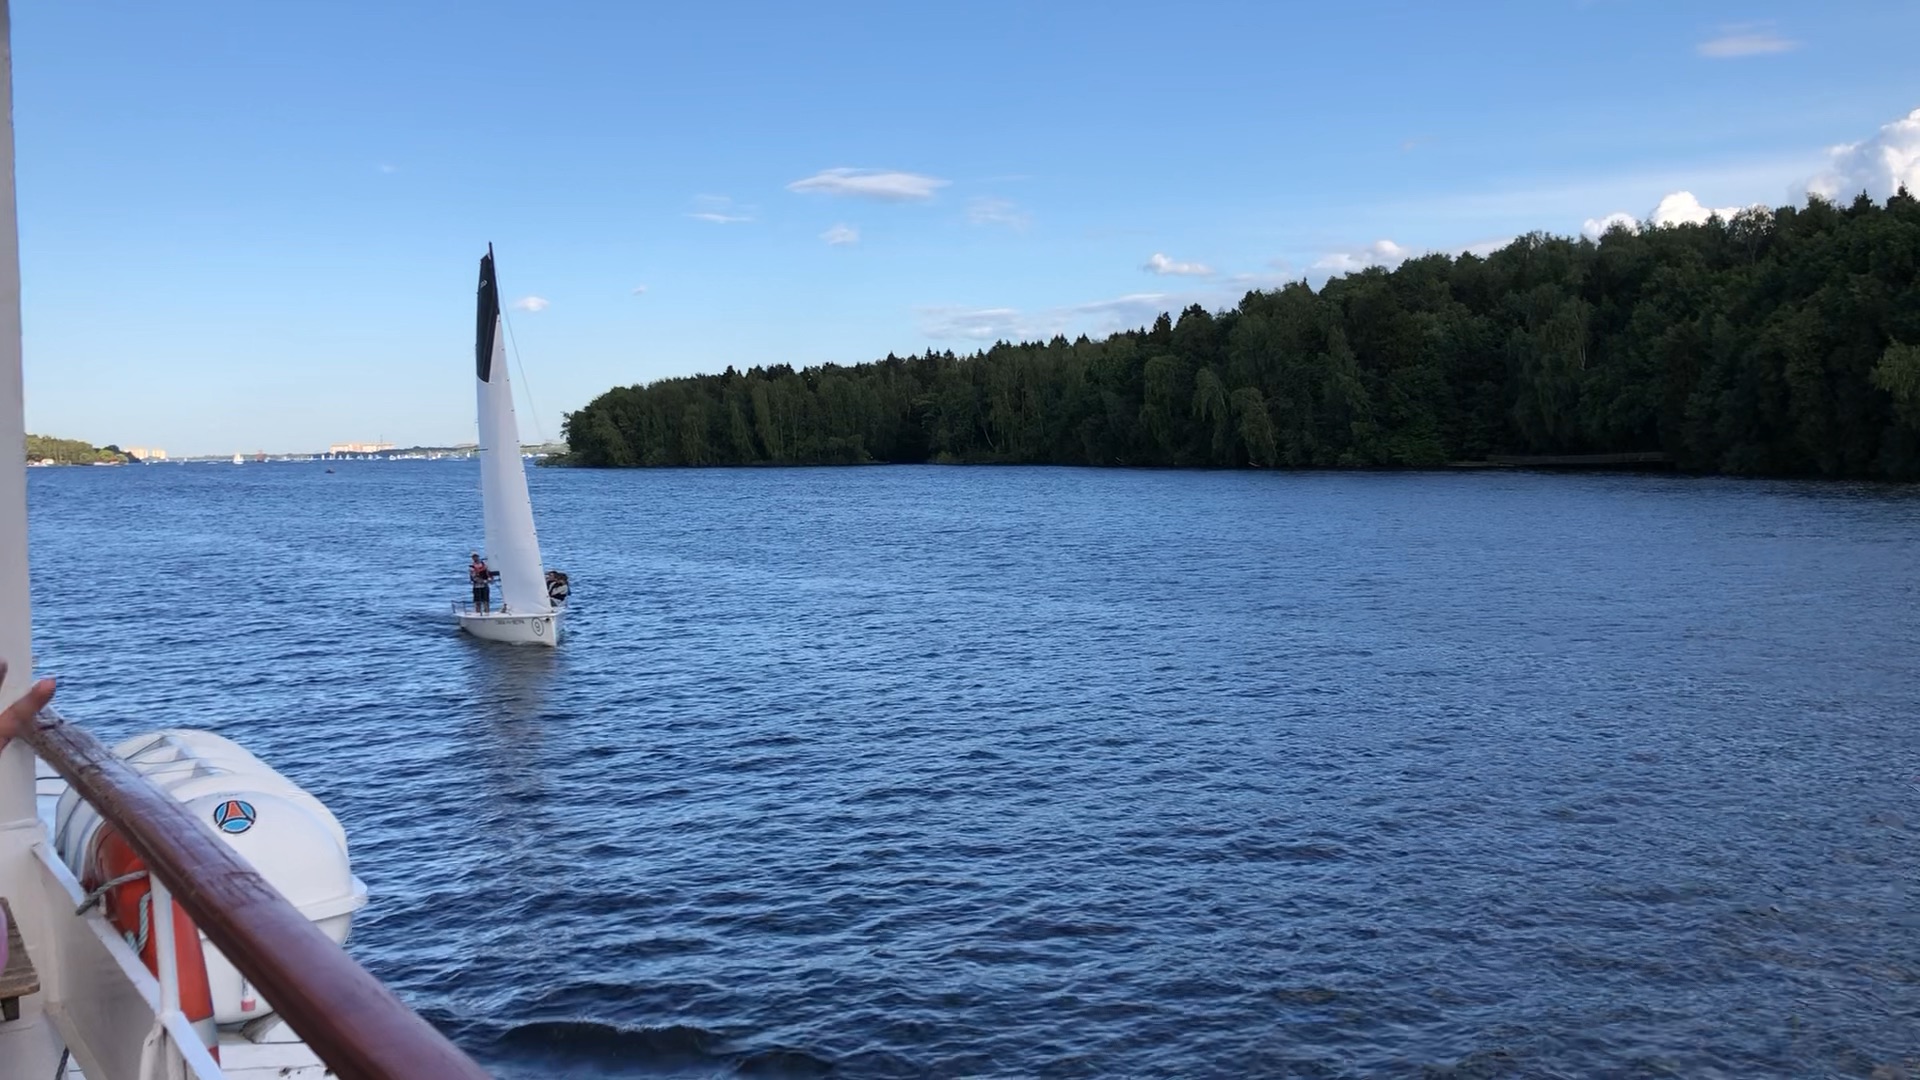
(1043, 772)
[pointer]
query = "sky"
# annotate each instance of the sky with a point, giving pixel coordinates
(251, 226)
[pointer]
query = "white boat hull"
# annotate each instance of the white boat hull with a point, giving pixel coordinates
(514, 629)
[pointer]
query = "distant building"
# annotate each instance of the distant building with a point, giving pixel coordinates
(146, 453)
(360, 448)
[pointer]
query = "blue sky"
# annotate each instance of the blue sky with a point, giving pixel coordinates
(256, 226)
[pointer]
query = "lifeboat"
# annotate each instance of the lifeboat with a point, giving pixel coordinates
(289, 837)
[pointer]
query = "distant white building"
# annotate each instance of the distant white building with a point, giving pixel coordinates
(360, 448)
(147, 453)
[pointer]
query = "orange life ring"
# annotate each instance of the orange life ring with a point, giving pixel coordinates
(128, 906)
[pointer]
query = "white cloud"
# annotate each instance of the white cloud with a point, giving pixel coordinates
(1134, 309)
(1160, 264)
(1877, 166)
(1676, 208)
(1748, 39)
(1526, 205)
(984, 211)
(1595, 228)
(1682, 208)
(639, 290)
(975, 324)
(1384, 253)
(1278, 272)
(885, 185)
(841, 236)
(719, 210)
(1096, 318)
(533, 304)
(1388, 255)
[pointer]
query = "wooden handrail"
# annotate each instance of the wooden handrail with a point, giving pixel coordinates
(345, 1015)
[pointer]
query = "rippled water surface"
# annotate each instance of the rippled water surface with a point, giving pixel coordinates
(1002, 772)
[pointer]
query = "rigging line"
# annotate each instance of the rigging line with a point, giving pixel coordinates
(524, 384)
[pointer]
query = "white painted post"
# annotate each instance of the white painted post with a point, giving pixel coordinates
(162, 930)
(30, 1045)
(168, 970)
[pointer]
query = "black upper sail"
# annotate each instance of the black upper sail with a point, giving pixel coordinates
(489, 317)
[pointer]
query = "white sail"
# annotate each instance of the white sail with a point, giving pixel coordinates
(512, 548)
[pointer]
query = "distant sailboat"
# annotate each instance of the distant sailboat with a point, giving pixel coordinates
(238, 460)
(525, 614)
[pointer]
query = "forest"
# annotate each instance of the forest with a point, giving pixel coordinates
(72, 451)
(1781, 343)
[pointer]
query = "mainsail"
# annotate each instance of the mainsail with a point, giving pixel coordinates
(512, 548)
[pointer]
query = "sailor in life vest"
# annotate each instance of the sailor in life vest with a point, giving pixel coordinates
(480, 576)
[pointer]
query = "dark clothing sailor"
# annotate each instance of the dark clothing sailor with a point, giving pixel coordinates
(479, 575)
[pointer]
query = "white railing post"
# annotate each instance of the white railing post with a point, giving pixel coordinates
(162, 931)
(168, 975)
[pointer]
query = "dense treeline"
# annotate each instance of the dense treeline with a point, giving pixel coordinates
(1783, 342)
(71, 451)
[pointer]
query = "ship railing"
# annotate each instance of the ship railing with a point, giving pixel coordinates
(99, 991)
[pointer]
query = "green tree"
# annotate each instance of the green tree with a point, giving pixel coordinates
(1775, 342)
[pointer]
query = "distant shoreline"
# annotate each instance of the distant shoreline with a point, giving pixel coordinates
(1608, 464)
(1641, 461)
(105, 456)
(1601, 464)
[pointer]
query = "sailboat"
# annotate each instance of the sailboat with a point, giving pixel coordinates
(526, 614)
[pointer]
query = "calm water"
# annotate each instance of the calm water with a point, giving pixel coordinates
(1000, 772)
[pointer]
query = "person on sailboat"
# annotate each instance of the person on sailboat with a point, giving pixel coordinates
(480, 576)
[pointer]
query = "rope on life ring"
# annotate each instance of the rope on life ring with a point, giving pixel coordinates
(94, 897)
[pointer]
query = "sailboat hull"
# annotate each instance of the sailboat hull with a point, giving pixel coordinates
(514, 629)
